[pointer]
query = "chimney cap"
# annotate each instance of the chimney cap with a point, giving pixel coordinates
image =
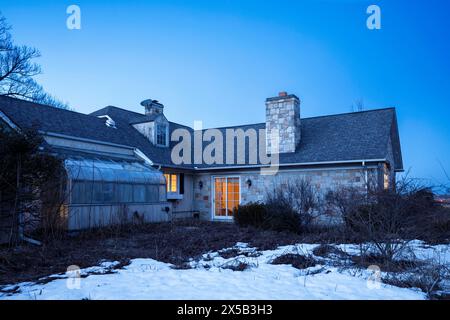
(283, 95)
(151, 102)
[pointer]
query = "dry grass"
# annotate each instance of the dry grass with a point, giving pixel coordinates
(329, 251)
(168, 242)
(296, 260)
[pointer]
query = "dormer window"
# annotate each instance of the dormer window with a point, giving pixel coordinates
(161, 134)
(153, 125)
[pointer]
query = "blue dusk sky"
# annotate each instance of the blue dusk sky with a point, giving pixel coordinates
(217, 61)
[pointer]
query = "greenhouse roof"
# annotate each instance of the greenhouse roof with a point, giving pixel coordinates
(92, 169)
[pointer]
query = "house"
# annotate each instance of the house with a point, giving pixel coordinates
(121, 163)
(443, 200)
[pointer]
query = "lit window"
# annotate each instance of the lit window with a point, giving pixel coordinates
(161, 135)
(386, 177)
(172, 182)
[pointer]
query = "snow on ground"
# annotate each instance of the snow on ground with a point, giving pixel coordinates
(209, 279)
(438, 253)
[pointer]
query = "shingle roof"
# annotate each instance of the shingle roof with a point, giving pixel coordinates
(343, 137)
(49, 119)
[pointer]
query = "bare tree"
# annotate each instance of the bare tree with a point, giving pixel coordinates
(17, 71)
(446, 185)
(31, 186)
(358, 105)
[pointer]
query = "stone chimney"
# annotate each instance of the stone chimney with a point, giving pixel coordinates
(152, 107)
(283, 115)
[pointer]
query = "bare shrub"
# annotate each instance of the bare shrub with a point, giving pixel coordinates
(282, 217)
(387, 265)
(430, 278)
(296, 200)
(182, 266)
(238, 264)
(234, 252)
(296, 260)
(386, 220)
(329, 251)
(434, 227)
(251, 214)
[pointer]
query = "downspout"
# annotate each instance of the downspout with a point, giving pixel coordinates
(21, 235)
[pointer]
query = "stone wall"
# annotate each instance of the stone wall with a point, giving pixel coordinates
(322, 179)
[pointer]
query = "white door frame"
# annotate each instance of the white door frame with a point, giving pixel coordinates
(213, 195)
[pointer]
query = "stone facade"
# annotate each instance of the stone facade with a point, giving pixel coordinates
(283, 119)
(323, 180)
(202, 195)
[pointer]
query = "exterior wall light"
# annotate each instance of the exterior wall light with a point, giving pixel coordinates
(249, 183)
(200, 184)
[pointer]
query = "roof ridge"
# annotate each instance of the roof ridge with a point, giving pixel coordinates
(353, 112)
(181, 125)
(314, 117)
(36, 104)
(130, 111)
(235, 126)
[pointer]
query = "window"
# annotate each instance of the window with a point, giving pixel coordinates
(386, 177)
(161, 135)
(172, 182)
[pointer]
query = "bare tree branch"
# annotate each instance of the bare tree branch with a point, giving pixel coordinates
(17, 70)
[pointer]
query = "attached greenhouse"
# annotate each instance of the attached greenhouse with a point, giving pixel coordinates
(102, 192)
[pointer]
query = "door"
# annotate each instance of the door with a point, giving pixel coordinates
(226, 196)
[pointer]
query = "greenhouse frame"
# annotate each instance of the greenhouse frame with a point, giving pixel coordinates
(101, 192)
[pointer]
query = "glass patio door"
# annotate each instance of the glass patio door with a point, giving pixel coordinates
(226, 196)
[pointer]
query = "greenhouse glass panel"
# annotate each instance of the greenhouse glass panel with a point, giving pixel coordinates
(112, 171)
(162, 193)
(152, 193)
(139, 193)
(108, 192)
(124, 193)
(112, 182)
(81, 192)
(98, 192)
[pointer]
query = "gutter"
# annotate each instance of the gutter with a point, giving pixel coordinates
(141, 155)
(292, 164)
(8, 121)
(58, 135)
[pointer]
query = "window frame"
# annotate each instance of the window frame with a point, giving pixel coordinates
(213, 195)
(161, 133)
(169, 181)
(386, 177)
